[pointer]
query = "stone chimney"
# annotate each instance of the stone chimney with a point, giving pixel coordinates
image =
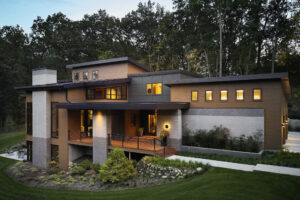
(43, 75)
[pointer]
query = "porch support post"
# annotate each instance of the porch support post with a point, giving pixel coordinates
(100, 130)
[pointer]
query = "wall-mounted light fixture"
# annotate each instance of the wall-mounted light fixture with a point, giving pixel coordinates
(167, 126)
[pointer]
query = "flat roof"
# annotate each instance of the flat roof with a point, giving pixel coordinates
(252, 77)
(126, 105)
(107, 62)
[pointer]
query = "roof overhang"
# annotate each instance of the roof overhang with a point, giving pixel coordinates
(125, 105)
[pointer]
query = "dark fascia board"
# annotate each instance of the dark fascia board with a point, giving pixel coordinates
(126, 105)
(165, 72)
(253, 77)
(67, 85)
(107, 62)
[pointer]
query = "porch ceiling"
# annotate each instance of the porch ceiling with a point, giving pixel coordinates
(126, 105)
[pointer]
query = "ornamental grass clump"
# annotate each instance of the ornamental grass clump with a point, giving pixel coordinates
(117, 168)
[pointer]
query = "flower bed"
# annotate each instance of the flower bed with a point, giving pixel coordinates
(87, 176)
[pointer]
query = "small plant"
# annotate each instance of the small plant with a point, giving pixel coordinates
(77, 170)
(53, 166)
(91, 182)
(71, 180)
(82, 179)
(86, 164)
(117, 168)
(163, 134)
(96, 167)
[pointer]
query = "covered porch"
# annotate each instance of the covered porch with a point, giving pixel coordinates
(133, 127)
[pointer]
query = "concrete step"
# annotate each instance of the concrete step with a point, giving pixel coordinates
(293, 142)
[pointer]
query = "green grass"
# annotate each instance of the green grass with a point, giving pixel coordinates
(272, 158)
(9, 139)
(215, 184)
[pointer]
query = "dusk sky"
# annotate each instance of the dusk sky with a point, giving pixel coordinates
(23, 12)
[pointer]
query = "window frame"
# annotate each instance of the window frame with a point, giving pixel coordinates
(243, 95)
(122, 96)
(212, 96)
(192, 95)
(152, 89)
(76, 74)
(56, 159)
(226, 95)
(54, 133)
(87, 76)
(29, 118)
(93, 72)
(261, 94)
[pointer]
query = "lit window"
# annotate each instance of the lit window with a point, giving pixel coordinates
(113, 93)
(194, 95)
(239, 95)
(95, 75)
(76, 76)
(256, 94)
(224, 95)
(155, 88)
(119, 93)
(149, 88)
(107, 93)
(208, 95)
(85, 76)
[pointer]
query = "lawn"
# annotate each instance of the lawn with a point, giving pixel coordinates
(215, 184)
(9, 139)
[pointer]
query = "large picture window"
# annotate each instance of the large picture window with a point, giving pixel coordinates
(154, 88)
(29, 118)
(111, 93)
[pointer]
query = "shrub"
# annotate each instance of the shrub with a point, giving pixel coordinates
(77, 170)
(96, 167)
(219, 138)
(53, 166)
(86, 164)
(116, 168)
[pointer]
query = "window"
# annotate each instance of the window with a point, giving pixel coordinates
(113, 93)
(76, 76)
(29, 150)
(95, 75)
(54, 120)
(54, 152)
(240, 95)
(29, 118)
(257, 94)
(85, 76)
(154, 88)
(208, 95)
(86, 122)
(194, 95)
(224, 95)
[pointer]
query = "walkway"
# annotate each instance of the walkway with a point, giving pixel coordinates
(242, 167)
(293, 142)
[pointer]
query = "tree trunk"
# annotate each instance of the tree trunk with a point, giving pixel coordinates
(207, 63)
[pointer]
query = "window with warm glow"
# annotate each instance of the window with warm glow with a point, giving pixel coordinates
(149, 88)
(208, 95)
(107, 93)
(256, 94)
(240, 95)
(224, 95)
(194, 95)
(85, 75)
(154, 88)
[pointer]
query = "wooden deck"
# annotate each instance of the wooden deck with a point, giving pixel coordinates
(144, 145)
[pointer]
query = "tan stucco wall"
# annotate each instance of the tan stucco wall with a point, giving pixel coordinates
(113, 71)
(272, 101)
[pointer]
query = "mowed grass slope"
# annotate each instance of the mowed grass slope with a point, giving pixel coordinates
(9, 139)
(216, 184)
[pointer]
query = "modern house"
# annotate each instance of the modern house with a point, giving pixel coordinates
(119, 103)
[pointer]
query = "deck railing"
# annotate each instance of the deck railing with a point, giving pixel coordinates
(137, 142)
(77, 136)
